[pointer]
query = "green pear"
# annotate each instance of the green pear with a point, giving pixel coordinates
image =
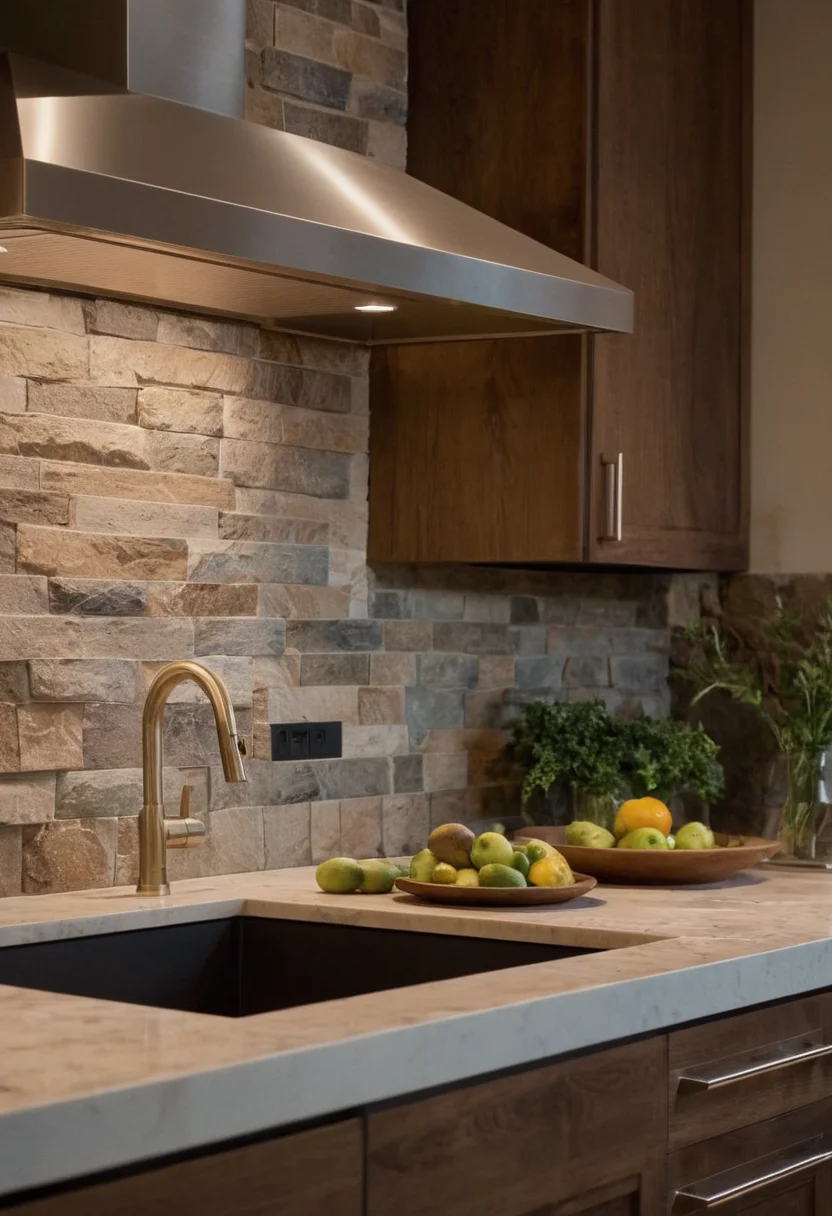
(695, 836)
(423, 865)
(589, 835)
(491, 849)
(644, 838)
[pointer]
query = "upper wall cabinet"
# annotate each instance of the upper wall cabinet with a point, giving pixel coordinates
(616, 131)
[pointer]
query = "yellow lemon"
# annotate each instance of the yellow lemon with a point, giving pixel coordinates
(551, 871)
(444, 873)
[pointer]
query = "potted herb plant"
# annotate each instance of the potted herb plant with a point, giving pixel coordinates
(664, 757)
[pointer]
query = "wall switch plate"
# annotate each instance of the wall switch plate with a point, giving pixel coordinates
(306, 740)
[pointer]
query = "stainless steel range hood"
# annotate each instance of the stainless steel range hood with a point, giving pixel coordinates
(108, 191)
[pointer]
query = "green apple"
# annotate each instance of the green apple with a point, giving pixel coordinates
(492, 849)
(695, 836)
(644, 838)
(589, 835)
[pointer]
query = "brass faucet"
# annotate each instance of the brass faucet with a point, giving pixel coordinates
(156, 833)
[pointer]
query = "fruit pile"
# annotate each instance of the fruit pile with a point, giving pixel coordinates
(454, 856)
(641, 823)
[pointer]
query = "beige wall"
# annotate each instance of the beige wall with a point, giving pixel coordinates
(791, 488)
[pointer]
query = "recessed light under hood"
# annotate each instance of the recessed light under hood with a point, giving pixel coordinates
(118, 193)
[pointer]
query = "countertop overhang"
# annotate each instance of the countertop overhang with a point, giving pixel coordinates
(94, 1085)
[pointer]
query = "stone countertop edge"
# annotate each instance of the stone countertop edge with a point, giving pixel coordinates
(47, 1140)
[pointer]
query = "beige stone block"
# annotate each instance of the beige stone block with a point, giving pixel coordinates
(287, 833)
(112, 735)
(204, 333)
(245, 419)
(27, 799)
(305, 34)
(292, 470)
(202, 599)
(114, 361)
(414, 636)
(13, 394)
(128, 483)
(405, 824)
(14, 683)
(348, 568)
(393, 669)
(8, 545)
(272, 529)
(362, 741)
(333, 432)
(318, 353)
(304, 603)
(262, 105)
(347, 521)
(233, 844)
(239, 561)
(236, 672)
(325, 831)
(260, 23)
(84, 555)
(359, 479)
(11, 861)
(23, 593)
(128, 638)
(387, 142)
(41, 310)
(19, 473)
(309, 704)
(490, 609)
(69, 855)
(370, 57)
(272, 671)
(381, 706)
(172, 409)
(496, 671)
(50, 737)
(38, 637)
(9, 747)
(83, 401)
(133, 518)
(393, 28)
(122, 320)
(445, 770)
(45, 355)
(455, 740)
(33, 507)
(84, 680)
(361, 827)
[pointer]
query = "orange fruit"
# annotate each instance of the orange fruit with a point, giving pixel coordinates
(642, 813)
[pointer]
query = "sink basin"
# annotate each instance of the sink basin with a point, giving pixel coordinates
(243, 965)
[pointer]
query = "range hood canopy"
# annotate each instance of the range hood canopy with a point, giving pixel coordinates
(119, 193)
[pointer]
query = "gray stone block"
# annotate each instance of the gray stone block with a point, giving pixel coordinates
(96, 597)
(347, 669)
(322, 637)
(527, 639)
(429, 709)
(392, 605)
(587, 672)
(438, 606)
(239, 636)
(539, 671)
(407, 774)
(267, 784)
(468, 638)
(361, 778)
(368, 99)
(327, 126)
(307, 79)
(448, 670)
(643, 673)
(525, 610)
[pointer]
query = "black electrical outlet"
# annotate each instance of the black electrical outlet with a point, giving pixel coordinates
(306, 740)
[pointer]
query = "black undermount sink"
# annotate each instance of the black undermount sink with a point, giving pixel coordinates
(246, 964)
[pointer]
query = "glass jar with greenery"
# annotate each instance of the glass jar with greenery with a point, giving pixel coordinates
(664, 758)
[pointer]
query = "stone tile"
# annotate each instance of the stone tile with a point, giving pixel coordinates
(393, 28)
(50, 737)
(369, 99)
(611, 613)
(347, 522)
(327, 126)
(53, 552)
(41, 310)
(44, 355)
(350, 669)
(388, 143)
(438, 605)
(393, 669)
(496, 671)
(238, 561)
(303, 603)
(640, 674)
(392, 605)
(287, 831)
(333, 10)
(272, 529)
(370, 58)
(293, 470)
(324, 637)
(84, 680)
(22, 593)
(445, 770)
(361, 834)
(13, 395)
(37, 637)
(112, 735)
(244, 418)
(129, 483)
(119, 363)
(527, 639)
(448, 670)
(562, 611)
(203, 333)
(202, 599)
(239, 636)
(316, 353)
(19, 473)
(33, 507)
(171, 409)
(524, 610)
(14, 683)
(331, 432)
(122, 320)
(270, 672)
(110, 515)
(132, 639)
(268, 784)
(407, 774)
(83, 401)
(234, 844)
(9, 747)
(11, 861)
(305, 78)
(8, 542)
(606, 641)
(261, 105)
(70, 855)
(374, 741)
(97, 597)
(475, 739)
(236, 672)
(304, 34)
(29, 798)
(325, 831)
(405, 824)
(540, 671)
(454, 806)
(260, 23)
(485, 709)
(362, 778)
(431, 709)
(288, 704)
(365, 19)
(381, 706)
(105, 793)
(488, 609)
(586, 672)
(467, 638)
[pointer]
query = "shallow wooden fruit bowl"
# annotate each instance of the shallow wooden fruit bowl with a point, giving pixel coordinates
(668, 866)
(496, 897)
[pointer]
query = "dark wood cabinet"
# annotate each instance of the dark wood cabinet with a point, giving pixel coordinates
(616, 131)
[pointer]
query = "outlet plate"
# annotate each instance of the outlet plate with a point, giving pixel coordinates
(306, 740)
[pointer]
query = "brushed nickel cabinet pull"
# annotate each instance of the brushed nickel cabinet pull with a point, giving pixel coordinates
(730, 1185)
(613, 498)
(793, 1051)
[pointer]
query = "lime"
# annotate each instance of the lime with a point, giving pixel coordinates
(521, 863)
(536, 850)
(496, 875)
(339, 875)
(379, 876)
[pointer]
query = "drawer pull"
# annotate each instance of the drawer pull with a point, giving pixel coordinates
(794, 1051)
(712, 1193)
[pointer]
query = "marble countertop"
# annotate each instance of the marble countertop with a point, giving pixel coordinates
(90, 1085)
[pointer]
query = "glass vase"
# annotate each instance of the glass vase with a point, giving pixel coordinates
(805, 808)
(591, 807)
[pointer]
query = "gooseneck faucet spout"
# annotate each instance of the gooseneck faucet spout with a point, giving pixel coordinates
(156, 833)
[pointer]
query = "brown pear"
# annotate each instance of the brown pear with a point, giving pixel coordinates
(451, 843)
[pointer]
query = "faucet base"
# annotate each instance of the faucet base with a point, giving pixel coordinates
(153, 889)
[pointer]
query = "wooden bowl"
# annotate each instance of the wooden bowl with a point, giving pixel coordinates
(668, 866)
(495, 897)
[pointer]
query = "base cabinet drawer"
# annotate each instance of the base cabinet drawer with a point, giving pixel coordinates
(746, 1068)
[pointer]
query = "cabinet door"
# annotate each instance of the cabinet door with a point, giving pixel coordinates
(671, 195)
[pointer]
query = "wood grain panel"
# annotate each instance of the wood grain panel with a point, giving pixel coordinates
(523, 1142)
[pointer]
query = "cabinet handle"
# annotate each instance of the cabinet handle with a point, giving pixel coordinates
(711, 1193)
(703, 1081)
(613, 498)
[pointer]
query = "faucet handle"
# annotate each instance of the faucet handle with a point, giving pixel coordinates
(185, 802)
(184, 832)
